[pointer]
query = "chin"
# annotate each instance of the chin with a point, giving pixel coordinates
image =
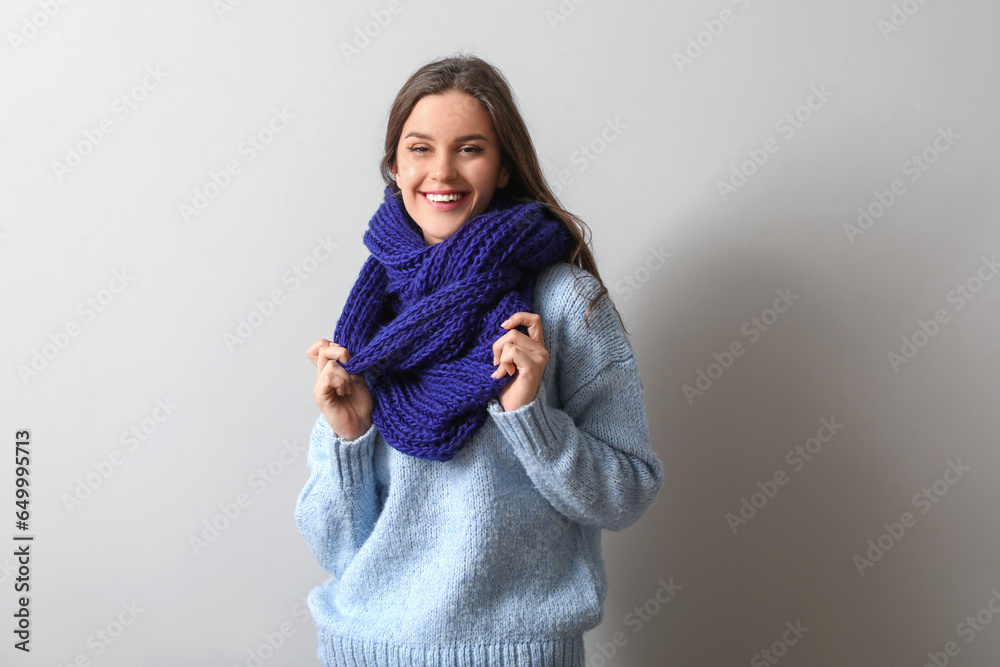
(442, 234)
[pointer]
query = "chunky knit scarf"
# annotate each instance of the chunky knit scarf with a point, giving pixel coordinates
(421, 320)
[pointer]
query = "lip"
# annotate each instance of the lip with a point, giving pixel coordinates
(445, 205)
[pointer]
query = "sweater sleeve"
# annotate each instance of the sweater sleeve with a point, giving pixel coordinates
(337, 508)
(591, 457)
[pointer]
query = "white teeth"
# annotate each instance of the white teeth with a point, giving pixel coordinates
(443, 197)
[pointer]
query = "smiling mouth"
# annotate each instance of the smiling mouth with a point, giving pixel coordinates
(444, 198)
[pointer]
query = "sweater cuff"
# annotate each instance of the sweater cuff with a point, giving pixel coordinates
(350, 460)
(528, 427)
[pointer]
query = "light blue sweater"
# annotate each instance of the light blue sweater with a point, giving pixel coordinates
(492, 558)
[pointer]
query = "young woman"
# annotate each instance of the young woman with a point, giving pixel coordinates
(482, 412)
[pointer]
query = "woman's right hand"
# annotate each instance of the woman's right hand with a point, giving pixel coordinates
(344, 399)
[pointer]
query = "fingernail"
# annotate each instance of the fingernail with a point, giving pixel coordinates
(505, 323)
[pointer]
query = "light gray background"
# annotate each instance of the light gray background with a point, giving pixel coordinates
(653, 188)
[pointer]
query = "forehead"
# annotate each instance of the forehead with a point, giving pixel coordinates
(446, 115)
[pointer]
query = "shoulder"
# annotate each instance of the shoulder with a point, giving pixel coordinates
(559, 278)
(563, 295)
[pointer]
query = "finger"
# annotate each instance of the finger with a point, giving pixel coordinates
(316, 349)
(331, 353)
(333, 376)
(499, 344)
(313, 351)
(508, 360)
(499, 372)
(503, 341)
(334, 351)
(522, 341)
(532, 321)
(523, 356)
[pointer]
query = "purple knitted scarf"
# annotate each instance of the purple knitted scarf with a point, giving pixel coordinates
(421, 320)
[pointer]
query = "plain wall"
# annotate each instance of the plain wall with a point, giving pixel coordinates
(720, 153)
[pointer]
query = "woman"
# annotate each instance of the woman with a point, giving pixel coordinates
(482, 411)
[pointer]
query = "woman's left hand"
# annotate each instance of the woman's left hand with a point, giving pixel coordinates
(523, 357)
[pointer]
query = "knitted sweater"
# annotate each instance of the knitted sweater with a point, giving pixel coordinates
(491, 559)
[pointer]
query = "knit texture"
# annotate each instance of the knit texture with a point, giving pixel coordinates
(493, 560)
(421, 320)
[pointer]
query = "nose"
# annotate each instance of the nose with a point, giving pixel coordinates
(444, 167)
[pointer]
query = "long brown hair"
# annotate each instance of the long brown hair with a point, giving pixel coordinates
(480, 80)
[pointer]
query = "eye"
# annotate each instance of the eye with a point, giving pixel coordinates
(475, 149)
(417, 149)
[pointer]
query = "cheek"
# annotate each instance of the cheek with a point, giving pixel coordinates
(485, 176)
(404, 164)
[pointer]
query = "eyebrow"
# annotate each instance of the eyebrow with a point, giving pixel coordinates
(464, 137)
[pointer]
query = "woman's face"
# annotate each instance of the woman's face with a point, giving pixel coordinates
(447, 147)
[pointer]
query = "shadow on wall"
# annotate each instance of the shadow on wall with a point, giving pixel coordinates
(775, 476)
